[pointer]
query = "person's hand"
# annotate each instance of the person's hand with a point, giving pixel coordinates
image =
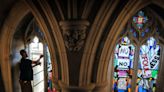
(38, 63)
(41, 56)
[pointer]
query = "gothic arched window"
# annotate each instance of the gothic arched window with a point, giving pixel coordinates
(137, 55)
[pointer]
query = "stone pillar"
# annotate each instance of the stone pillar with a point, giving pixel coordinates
(74, 33)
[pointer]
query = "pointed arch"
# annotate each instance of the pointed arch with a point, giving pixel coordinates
(8, 30)
(53, 28)
(17, 13)
(93, 40)
(129, 10)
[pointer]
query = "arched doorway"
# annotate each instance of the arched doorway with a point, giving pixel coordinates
(10, 28)
(28, 36)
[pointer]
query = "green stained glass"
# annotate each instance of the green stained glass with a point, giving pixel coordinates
(154, 74)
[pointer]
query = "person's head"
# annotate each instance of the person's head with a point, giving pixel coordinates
(23, 53)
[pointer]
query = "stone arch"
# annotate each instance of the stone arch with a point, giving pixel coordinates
(48, 17)
(129, 10)
(17, 13)
(8, 29)
(92, 43)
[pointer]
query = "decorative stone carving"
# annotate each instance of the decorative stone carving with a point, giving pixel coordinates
(74, 33)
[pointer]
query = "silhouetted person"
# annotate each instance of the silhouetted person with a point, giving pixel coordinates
(26, 71)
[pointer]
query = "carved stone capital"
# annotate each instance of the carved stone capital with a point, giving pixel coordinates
(74, 33)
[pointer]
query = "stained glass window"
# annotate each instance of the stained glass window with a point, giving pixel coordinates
(123, 64)
(148, 66)
(141, 25)
(142, 30)
(35, 50)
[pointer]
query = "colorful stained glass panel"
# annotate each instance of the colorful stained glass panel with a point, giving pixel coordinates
(148, 66)
(140, 20)
(123, 64)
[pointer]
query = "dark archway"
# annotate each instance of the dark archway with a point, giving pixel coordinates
(11, 24)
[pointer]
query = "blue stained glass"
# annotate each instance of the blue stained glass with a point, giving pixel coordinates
(131, 57)
(131, 64)
(139, 66)
(154, 46)
(135, 34)
(141, 13)
(147, 30)
(121, 90)
(140, 89)
(115, 85)
(155, 42)
(143, 34)
(139, 26)
(140, 51)
(129, 86)
(131, 30)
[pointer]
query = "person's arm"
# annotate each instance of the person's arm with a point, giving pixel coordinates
(37, 62)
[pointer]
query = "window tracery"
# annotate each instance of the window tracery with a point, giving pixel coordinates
(146, 49)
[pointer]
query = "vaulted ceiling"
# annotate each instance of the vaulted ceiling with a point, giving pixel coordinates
(65, 10)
